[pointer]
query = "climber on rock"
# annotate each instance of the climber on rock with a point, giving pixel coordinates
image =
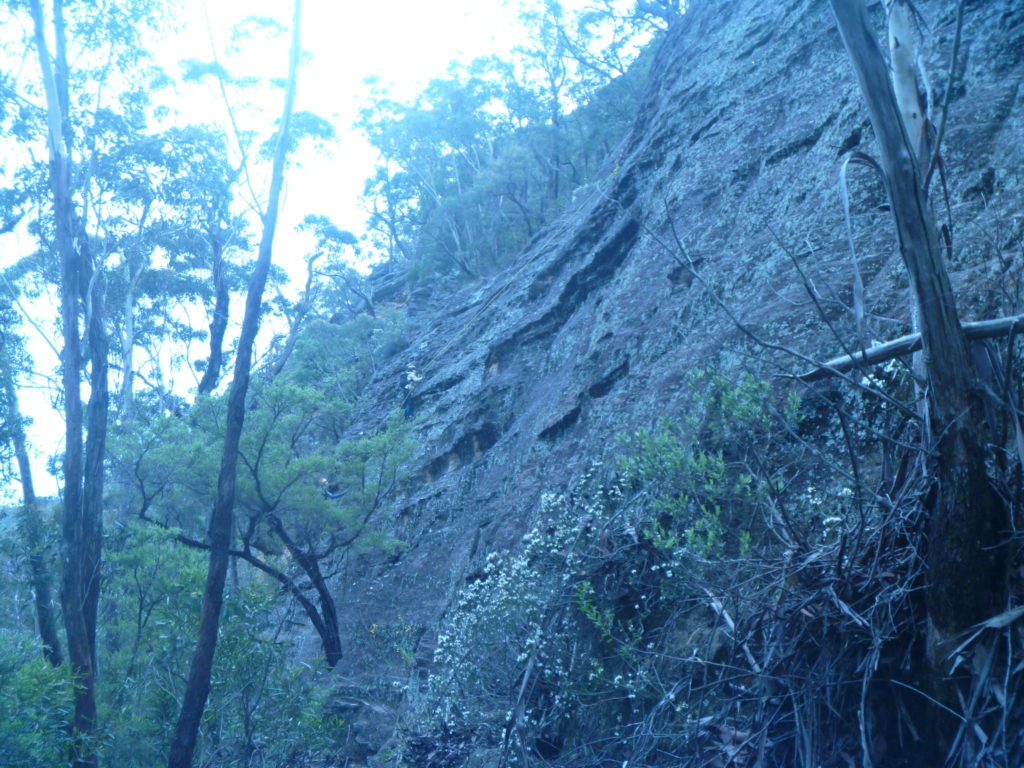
(331, 490)
(409, 382)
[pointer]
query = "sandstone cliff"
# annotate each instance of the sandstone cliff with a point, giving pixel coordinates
(727, 184)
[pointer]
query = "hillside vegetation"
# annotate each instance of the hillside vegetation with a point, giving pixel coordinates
(678, 422)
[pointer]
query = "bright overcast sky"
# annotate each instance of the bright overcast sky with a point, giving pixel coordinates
(402, 43)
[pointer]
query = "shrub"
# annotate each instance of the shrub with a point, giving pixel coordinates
(597, 628)
(35, 707)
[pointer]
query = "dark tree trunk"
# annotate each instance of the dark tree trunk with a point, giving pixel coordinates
(81, 544)
(326, 620)
(222, 518)
(301, 311)
(95, 450)
(966, 563)
(219, 322)
(32, 529)
(968, 522)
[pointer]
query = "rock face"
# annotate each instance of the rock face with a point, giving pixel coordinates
(727, 186)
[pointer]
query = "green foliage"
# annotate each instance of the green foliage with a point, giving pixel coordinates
(604, 619)
(580, 634)
(150, 608)
(482, 158)
(35, 701)
(340, 358)
(701, 475)
(307, 487)
(158, 216)
(696, 495)
(260, 702)
(294, 437)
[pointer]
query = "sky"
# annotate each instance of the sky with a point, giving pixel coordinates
(401, 43)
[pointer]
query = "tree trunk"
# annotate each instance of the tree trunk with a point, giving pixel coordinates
(219, 321)
(31, 525)
(81, 547)
(966, 562)
(326, 625)
(301, 311)
(98, 346)
(326, 621)
(222, 519)
(127, 398)
(968, 522)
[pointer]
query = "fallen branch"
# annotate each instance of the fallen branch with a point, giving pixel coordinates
(904, 345)
(723, 614)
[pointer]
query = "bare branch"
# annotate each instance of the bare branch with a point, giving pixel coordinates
(904, 345)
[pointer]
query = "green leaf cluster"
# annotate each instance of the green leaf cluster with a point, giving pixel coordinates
(35, 701)
(475, 165)
(261, 702)
(591, 618)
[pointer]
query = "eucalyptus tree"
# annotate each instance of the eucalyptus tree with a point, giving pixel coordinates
(131, 219)
(309, 490)
(968, 516)
(307, 497)
(432, 152)
(464, 175)
(222, 517)
(548, 72)
(107, 40)
(350, 289)
(968, 513)
(170, 230)
(473, 166)
(346, 289)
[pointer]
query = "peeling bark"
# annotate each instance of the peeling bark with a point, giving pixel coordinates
(82, 523)
(968, 522)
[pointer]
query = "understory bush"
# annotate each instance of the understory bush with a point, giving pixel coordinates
(34, 707)
(575, 641)
(263, 708)
(732, 594)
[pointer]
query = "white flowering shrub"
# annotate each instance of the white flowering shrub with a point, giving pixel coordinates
(517, 621)
(598, 627)
(710, 605)
(567, 636)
